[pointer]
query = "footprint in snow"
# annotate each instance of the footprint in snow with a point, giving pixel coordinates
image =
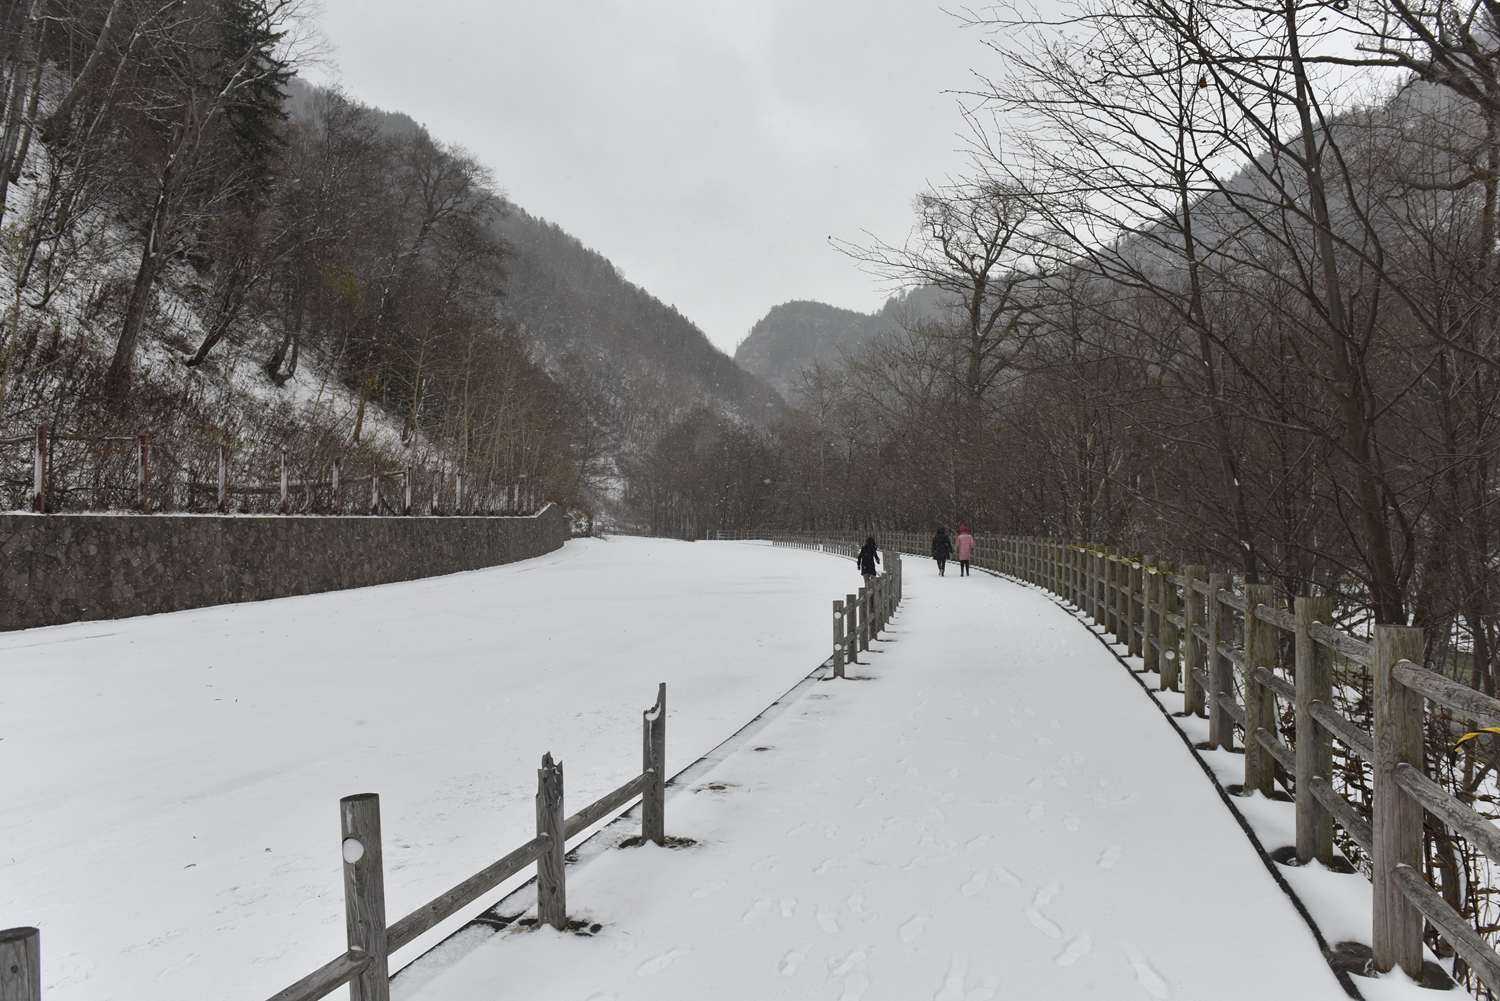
(975, 884)
(1045, 894)
(826, 920)
(792, 961)
(831, 831)
(855, 986)
(913, 928)
(1145, 973)
(1037, 812)
(709, 887)
(1034, 784)
(1075, 950)
(800, 830)
(852, 960)
(856, 906)
(1110, 857)
(789, 907)
(1039, 921)
(761, 909)
(1071, 821)
(977, 843)
(766, 864)
(658, 963)
(1006, 875)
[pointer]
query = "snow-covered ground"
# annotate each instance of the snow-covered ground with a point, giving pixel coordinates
(996, 809)
(172, 781)
(999, 811)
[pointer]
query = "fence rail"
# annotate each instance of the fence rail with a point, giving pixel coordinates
(1255, 665)
(364, 966)
(81, 472)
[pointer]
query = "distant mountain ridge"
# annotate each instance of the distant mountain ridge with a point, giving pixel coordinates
(796, 335)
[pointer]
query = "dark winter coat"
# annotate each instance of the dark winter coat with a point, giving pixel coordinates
(942, 546)
(867, 558)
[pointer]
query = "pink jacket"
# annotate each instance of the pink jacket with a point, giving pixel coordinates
(965, 546)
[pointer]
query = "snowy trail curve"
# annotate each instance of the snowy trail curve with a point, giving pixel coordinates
(999, 812)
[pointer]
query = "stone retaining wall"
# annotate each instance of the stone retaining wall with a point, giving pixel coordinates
(70, 567)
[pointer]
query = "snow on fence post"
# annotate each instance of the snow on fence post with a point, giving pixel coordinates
(142, 470)
(851, 630)
(338, 496)
(1396, 815)
(374, 490)
(364, 894)
(1260, 701)
(407, 476)
(223, 479)
(838, 639)
(20, 964)
(1314, 750)
(1220, 723)
(654, 755)
(39, 471)
(551, 865)
(286, 478)
(1193, 674)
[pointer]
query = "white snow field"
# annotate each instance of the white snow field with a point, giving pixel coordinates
(996, 810)
(171, 782)
(999, 811)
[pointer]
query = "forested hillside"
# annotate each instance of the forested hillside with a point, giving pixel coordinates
(200, 249)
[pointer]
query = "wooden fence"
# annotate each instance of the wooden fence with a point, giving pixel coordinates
(138, 473)
(1256, 666)
(364, 966)
(861, 616)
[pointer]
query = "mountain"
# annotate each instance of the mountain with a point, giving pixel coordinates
(796, 335)
(614, 341)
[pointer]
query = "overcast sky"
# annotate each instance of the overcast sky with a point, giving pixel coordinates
(709, 149)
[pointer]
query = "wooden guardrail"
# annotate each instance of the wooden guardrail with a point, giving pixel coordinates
(862, 616)
(364, 964)
(1206, 640)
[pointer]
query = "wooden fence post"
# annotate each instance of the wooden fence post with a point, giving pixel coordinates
(1397, 817)
(654, 761)
(865, 632)
(1168, 645)
(20, 965)
(1220, 723)
(142, 475)
(223, 479)
(286, 478)
(551, 865)
(1135, 578)
(1314, 683)
(838, 639)
(374, 490)
(1150, 629)
(1260, 701)
(458, 492)
(364, 894)
(1192, 656)
(338, 495)
(407, 477)
(39, 471)
(851, 629)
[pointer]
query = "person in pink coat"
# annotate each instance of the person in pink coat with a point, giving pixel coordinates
(965, 550)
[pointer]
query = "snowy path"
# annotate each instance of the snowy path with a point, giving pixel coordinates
(1001, 812)
(170, 819)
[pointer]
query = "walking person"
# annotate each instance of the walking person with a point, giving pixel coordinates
(867, 558)
(965, 550)
(942, 548)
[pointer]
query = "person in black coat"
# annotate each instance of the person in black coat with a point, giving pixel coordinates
(942, 548)
(867, 558)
